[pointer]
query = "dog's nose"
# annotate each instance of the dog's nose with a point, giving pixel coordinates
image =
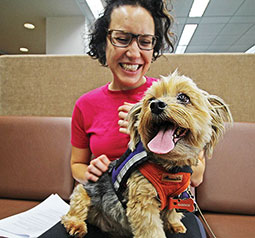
(157, 106)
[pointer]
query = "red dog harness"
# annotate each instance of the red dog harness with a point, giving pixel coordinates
(169, 184)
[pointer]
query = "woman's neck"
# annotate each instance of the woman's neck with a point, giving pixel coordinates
(113, 87)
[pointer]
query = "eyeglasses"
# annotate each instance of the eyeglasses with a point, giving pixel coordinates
(123, 39)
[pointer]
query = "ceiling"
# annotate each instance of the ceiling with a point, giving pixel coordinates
(226, 26)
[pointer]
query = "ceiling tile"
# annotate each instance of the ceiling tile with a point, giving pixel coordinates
(197, 49)
(205, 29)
(251, 32)
(180, 20)
(244, 40)
(236, 29)
(217, 48)
(222, 7)
(247, 8)
(193, 20)
(181, 7)
(243, 19)
(238, 48)
(225, 40)
(201, 40)
(215, 19)
(248, 38)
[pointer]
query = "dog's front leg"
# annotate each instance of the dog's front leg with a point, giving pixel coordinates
(74, 220)
(174, 223)
(143, 209)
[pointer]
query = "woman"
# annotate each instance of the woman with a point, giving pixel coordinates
(127, 38)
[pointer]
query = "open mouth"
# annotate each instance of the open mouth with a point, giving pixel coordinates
(130, 67)
(166, 138)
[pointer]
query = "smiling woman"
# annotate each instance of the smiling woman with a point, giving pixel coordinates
(126, 38)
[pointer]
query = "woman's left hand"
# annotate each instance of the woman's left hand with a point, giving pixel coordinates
(198, 170)
(123, 112)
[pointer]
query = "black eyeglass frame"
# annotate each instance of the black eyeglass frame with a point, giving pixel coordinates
(136, 36)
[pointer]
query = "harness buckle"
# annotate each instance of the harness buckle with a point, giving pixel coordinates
(181, 204)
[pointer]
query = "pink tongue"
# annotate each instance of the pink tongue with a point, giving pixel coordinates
(162, 143)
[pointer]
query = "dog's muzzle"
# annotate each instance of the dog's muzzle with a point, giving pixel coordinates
(168, 132)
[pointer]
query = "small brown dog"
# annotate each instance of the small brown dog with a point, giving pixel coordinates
(174, 122)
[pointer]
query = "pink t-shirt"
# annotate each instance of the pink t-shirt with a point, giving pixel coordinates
(95, 120)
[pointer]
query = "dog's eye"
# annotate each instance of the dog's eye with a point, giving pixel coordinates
(183, 98)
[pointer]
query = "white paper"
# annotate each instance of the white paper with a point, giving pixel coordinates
(36, 221)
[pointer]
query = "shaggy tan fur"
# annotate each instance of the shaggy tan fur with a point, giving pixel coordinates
(203, 117)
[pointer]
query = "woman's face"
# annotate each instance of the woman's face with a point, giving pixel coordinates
(129, 65)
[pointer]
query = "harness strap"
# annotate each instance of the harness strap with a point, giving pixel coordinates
(125, 166)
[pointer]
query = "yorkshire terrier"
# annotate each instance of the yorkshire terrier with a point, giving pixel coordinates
(169, 127)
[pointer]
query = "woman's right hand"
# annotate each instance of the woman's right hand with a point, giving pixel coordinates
(97, 167)
(84, 169)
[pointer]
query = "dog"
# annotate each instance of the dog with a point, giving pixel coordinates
(168, 128)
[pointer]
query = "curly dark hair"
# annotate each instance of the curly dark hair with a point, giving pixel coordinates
(162, 20)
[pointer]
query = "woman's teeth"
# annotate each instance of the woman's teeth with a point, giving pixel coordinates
(130, 67)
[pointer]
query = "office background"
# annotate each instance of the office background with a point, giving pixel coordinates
(62, 26)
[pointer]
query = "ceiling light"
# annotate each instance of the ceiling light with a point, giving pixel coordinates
(96, 7)
(23, 49)
(187, 33)
(29, 26)
(186, 36)
(180, 49)
(251, 50)
(198, 8)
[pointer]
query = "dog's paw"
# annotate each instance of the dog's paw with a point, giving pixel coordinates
(75, 227)
(79, 230)
(179, 228)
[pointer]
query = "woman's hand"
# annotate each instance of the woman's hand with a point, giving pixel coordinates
(198, 171)
(123, 112)
(96, 168)
(84, 169)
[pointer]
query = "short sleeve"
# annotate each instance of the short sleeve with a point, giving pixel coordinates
(79, 137)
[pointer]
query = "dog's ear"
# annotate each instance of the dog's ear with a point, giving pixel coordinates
(133, 124)
(221, 115)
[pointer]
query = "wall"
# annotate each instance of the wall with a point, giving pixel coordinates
(65, 35)
(50, 85)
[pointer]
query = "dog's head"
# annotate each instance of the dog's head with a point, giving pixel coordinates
(176, 119)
